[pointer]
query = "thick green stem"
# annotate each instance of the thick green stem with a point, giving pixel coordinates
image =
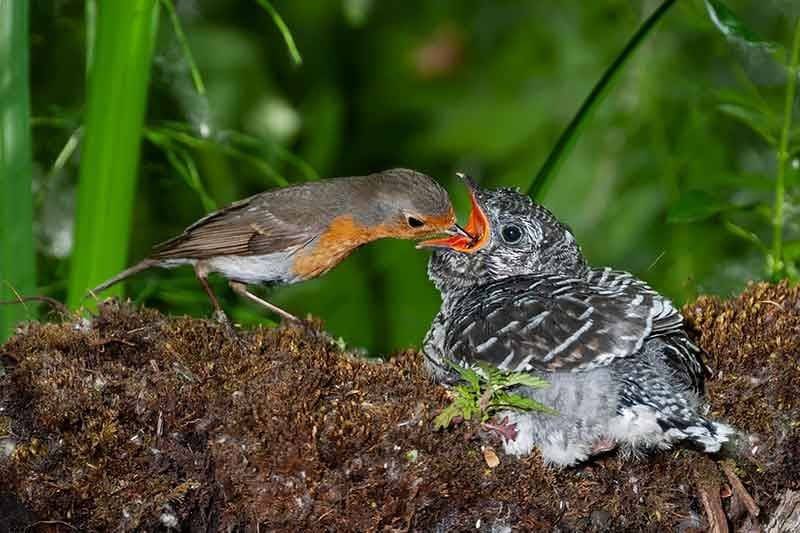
(117, 95)
(776, 264)
(17, 256)
(570, 134)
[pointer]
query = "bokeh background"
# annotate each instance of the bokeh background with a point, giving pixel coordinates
(440, 86)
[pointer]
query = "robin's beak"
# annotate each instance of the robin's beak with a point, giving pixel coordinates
(457, 230)
(471, 238)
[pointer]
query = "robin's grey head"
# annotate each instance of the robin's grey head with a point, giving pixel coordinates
(409, 204)
(511, 235)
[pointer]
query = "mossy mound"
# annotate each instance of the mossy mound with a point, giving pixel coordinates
(753, 347)
(134, 420)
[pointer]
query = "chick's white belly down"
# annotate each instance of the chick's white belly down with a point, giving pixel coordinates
(585, 403)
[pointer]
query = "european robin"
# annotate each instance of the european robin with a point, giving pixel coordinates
(300, 232)
(519, 295)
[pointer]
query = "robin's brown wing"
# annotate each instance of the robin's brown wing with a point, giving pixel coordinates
(556, 323)
(268, 222)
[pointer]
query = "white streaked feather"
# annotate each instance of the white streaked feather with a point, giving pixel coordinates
(487, 344)
(534, 322)
(507, 360)
(508, 327)
(572, 338)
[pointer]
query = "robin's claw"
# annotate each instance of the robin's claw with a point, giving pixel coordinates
(220, 316)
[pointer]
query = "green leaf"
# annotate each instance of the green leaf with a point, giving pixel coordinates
(468, 409)
(732, 27)
(504, 400)
(747, 235)
(493, 374)
(445, 418)
(695, 205)
(528, 380)
(469, 375)
(753, 118)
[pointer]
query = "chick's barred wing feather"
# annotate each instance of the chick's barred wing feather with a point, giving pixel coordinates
(667, 319)
(555, 322)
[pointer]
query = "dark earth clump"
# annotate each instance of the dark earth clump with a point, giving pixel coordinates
(135, 420)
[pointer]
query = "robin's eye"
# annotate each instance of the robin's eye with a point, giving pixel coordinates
(415, 222)
(511, 233)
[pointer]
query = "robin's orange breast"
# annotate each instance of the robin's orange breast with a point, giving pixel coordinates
(342, 237)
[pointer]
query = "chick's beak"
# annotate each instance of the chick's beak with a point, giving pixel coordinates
(469, 239)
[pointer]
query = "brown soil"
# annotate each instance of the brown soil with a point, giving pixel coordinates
(134, 420)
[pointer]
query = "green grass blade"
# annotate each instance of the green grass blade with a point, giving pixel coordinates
(571, 132)
(183, 163)
(17, 259)
(181, 134)
(284, 29)
(197, 79)
(117, 94)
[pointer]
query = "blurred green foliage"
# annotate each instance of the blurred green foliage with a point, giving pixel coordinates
(17, 257)
(124, 37)
(674, 168)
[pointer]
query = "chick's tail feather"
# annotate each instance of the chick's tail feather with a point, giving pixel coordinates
(128, 272)
(713, 437)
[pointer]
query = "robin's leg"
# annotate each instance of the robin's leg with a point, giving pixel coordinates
(241, 289)
(202, 276)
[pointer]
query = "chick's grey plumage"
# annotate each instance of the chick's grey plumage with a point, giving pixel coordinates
(621, 367)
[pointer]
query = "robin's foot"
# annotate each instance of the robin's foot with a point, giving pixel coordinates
(222, 319)
(504, 428)
(219, 316)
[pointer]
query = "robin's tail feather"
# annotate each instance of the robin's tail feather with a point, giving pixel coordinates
(128, 272)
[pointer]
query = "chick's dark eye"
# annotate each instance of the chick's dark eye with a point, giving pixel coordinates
(511, 233)
(415, 222)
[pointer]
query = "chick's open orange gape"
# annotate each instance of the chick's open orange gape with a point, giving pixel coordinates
(301, 232)
(477, 228)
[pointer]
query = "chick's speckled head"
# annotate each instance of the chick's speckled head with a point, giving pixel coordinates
(510, 235)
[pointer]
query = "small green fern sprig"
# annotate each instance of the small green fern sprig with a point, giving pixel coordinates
(486, 392)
